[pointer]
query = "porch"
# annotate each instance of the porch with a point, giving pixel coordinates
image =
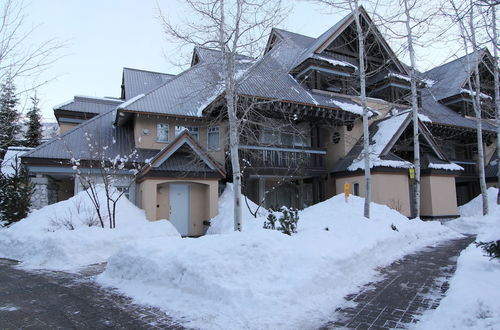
(188, 203)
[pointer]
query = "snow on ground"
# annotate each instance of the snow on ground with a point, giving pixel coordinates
(263, 279)
(473, 299)
(59, 237)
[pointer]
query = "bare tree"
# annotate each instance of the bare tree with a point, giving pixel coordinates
(490, 15)
(463, 15)
(19, 57)
(415, 18)
(232, 29)
(100, 170)
(354, 7)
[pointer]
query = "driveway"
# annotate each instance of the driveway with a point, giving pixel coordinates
(50, 300)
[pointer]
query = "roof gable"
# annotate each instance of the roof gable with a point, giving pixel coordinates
(184, 141)
(384, 134)
(336, 32)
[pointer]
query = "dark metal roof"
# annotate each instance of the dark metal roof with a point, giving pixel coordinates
(448, 79)
(190, 92)
(105, 137)
(183, 163)
(138, 82)
(442, 115)
(88, 104)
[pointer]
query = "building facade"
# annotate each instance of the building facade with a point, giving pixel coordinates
(301, 132)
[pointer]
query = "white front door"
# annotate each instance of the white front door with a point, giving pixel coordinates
(179, 207)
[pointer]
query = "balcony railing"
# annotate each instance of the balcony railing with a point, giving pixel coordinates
(277, 157)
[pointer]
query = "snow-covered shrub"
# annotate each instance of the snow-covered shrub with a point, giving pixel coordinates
(492, 248)
(288, 219)
(270, 223)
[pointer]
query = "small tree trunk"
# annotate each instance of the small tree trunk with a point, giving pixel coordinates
(230, 92)
(366, 134)
(497, 90)
(477, 110)
(414, 104)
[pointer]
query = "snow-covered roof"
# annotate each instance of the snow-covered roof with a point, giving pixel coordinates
(12, 159)
(89, 104)
(384, 134)
(191, 91)
(385, 131)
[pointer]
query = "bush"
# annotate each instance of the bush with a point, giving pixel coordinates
(288, 219)
(15, 196)
(492, 248)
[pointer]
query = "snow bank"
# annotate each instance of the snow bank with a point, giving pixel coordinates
(223, 223)
(475, 206)
(66, 235)
(473, 299)
(263, 279)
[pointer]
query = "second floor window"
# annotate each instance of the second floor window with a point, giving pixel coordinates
(213, 137)
(193, 130)
(162, 132)
(289, 139)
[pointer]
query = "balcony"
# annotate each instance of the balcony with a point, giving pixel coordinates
(283, 158)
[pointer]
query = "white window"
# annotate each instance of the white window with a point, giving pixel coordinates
(213, 136)
(162, 132)
(193, 130)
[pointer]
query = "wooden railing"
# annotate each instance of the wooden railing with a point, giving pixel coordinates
(278, 157)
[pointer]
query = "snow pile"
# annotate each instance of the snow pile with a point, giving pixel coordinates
(448, 167)
(263, 279)
(473, 299)
(66, 235)
(223, 223)
(475, 207)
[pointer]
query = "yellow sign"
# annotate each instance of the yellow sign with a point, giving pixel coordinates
(347, 189)
(412, 173)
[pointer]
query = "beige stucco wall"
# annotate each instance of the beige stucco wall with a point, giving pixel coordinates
(64, 127)
(142, 122)
(438, 196)
(349, 138)
(154, 194)
(391, 189)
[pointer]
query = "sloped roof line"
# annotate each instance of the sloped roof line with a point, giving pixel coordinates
(397, 134)
(331, 34)
(181, 139)
(71, 131)
(149, 71)
(160, 86)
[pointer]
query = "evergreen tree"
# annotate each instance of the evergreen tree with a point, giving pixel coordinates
(9, 116)
(33, 135)
(15, 195)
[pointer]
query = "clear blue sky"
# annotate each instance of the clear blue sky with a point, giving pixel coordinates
(105, 36)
